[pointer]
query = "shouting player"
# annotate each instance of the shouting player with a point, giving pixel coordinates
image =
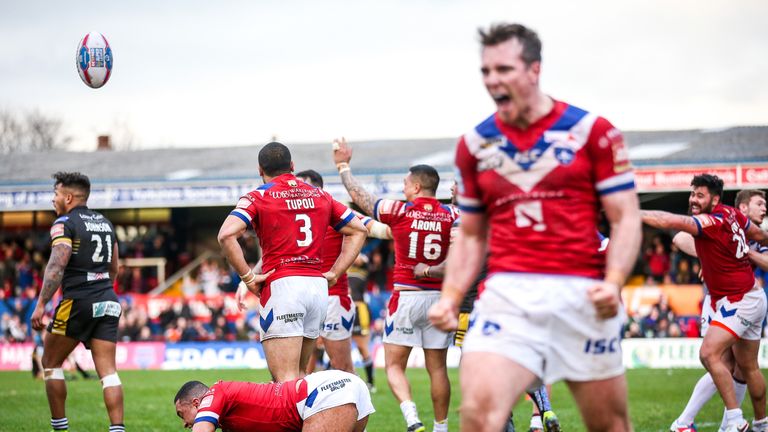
(739, 305)
(536, 170)
(543, 418)
(421, 230)
(291, 219)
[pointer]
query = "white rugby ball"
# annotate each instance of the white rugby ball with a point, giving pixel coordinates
(94, 60)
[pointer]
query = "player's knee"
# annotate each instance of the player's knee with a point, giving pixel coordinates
(111, 380)
(53, 374)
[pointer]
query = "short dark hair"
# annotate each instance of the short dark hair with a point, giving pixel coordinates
(427, 177)
(712, 182)
(501, 32)
(744, 196)
(190, 390)
(315, 179)
(275, 159)
(74, 180)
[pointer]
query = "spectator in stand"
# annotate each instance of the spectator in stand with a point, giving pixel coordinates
(684, 275)
(210, 277)
(658, 262)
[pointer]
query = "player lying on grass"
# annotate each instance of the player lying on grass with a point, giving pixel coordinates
(319, 402)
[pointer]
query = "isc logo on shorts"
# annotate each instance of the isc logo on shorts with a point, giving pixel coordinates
(602, 346)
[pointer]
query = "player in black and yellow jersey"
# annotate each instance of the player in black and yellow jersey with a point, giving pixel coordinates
(84, 261)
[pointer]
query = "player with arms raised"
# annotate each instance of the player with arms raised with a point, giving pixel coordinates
(420, 228)
(291, 219)
(533, 177)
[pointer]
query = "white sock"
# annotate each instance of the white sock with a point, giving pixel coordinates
(408, 408)
(703, 391)
(440, 426)
(536, 422)
(741, 391)
(734, 416)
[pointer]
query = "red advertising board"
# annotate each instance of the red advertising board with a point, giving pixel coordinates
(736, 176)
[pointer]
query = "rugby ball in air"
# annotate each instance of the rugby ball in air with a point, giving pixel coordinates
(94, 60)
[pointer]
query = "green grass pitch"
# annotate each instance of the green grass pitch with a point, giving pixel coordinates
(656, 398)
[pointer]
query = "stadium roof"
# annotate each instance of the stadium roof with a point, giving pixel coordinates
(381, 162)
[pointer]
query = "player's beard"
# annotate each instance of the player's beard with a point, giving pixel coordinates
(703, 209)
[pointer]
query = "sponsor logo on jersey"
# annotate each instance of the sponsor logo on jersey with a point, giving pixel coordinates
(91, 217)
(428, 207)
(497, 141)
(206, 402)
(97, 276)
(386, 206)
(57, 231)
(705, 220)
(292, 183)
(243, 203)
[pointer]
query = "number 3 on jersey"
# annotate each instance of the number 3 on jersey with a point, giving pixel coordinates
(432, 248)
(306, 229)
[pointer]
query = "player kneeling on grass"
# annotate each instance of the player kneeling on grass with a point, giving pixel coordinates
(323, 401)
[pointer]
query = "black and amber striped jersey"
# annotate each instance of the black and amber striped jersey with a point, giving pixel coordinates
(92, 238)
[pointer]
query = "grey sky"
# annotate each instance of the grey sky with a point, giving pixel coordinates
(201, 73)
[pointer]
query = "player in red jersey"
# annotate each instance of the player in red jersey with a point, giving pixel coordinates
(291, 219)
(752, 204)
(421, 230)
(739, 305)
(320, 402)
(533, 177)
(337, 328)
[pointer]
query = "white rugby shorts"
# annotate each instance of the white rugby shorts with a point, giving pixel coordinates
(407, 323)
(338, 319)
(547, 324)
(332, 388)
(744, 318)
(296, 307)
(707, 314)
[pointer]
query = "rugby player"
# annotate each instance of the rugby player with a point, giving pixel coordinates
(320, 402)
(738, 304)
(539, 169)
(291, 219)
(420, 229)
(84, 262)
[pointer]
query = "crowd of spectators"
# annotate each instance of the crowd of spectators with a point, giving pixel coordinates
(205, 310)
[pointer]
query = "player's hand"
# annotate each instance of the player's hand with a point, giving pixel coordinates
(255, 285)
(342, 152)
(418, 270)
(444, 315)
(240, 295)
(606, 299)
(37, 317)
(331, 277)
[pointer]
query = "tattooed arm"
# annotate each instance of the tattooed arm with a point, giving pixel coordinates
(342, 154)
(54, 272)
(665, 220)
